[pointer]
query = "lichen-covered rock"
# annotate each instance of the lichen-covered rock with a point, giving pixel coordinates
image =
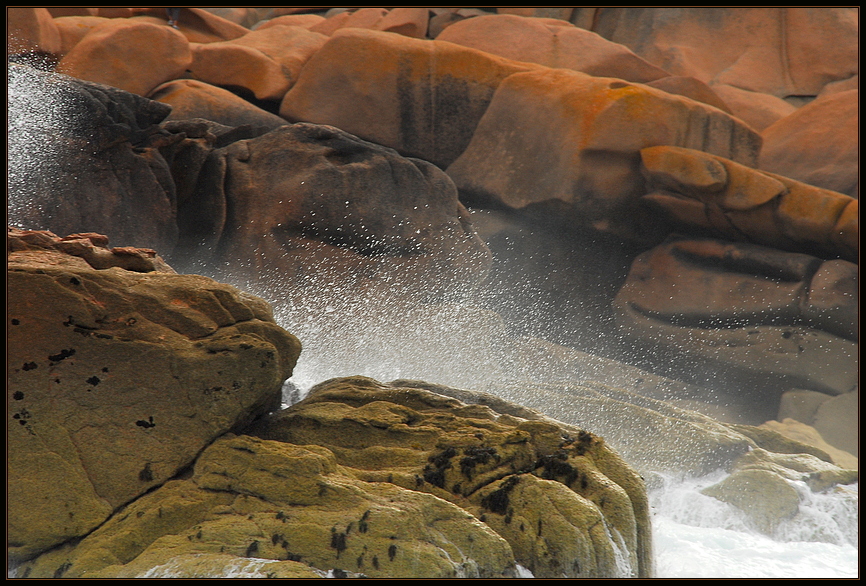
(474, 457)
(712, 195)
(118, 378)
(422, 98)
(741, 316)
(567, 145)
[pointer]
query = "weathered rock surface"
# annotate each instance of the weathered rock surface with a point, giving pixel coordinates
(552, 492)
(801, 432)
(422, 98)
(118, 378)
(190, 99)
(818, 144)
(265, 62)
(705, 194)
(713, 307)
(31, 29)
(571, 142)
(564, 47)
(87, 160)
(782, 51)
(762, 485)
(129, 55)
(318, 206)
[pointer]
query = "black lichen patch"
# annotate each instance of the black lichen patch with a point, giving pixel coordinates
(29, 366)
(585, 441)
(498, 500)
(75, 281)
(146, 424)
(94, 380)
(338, 541)
(252, 550)
(474, 456)
(18, 395)
(434, 472)
(363, 526)
(375, 562)
(392, 551)
(338, 573)
(58, 573)
(146, 474)
(556, 467)
(62, 355)
(16, 321)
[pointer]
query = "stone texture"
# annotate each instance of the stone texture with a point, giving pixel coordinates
(522, 38)
(31, 30)
(782, 51)
(711, 195)
(693, 88)
(407, 21)
(189, 99)
(87, 160)
(738, 314)
(568, 145)
(117, 379)
(756, 109)
(419, 97)
(129, 55)
(487, 462)
(265, 62)
(818, 144)
(322, 208)
(74, 28)
(807, 434)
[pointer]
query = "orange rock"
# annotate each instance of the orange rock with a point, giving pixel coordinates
(129, 55)
(568, 47)
(558, 12)
(420, 97)
(782, 51)
(818, 144)
(567, 145)
(410, 22)
(197, 24)
(362, 18)
(756, 109)
(59, 11)
(304, 20)
(74, 28)
(690, 88)
(195, 99)
(704, 194)
(266, 62)
(31, 29)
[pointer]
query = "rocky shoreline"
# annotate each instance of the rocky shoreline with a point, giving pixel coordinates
(648, 273)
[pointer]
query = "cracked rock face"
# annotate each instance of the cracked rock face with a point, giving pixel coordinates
(118, 378)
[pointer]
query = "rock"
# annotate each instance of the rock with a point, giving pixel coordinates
(31, 30)
(807, 434)
(781, 51)
(690, 87)
(421, 98)
(566, 47)
(364, 18)
(756, 109)
(83, 157)
(558, 12)
(63, 11)
(198, 25)
(707, 194)
(837, 421)
(761, 485)
(488, 463)
(189, 99)
(304, 20)
(265, 62)
(74, 28)
(270, 500)
(818, 144)
(322, 208)
(561, 144)
(406, 21)
(129, 55)
(733, 315)
(117, 379)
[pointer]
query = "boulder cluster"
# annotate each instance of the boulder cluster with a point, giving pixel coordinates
(655, 211)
